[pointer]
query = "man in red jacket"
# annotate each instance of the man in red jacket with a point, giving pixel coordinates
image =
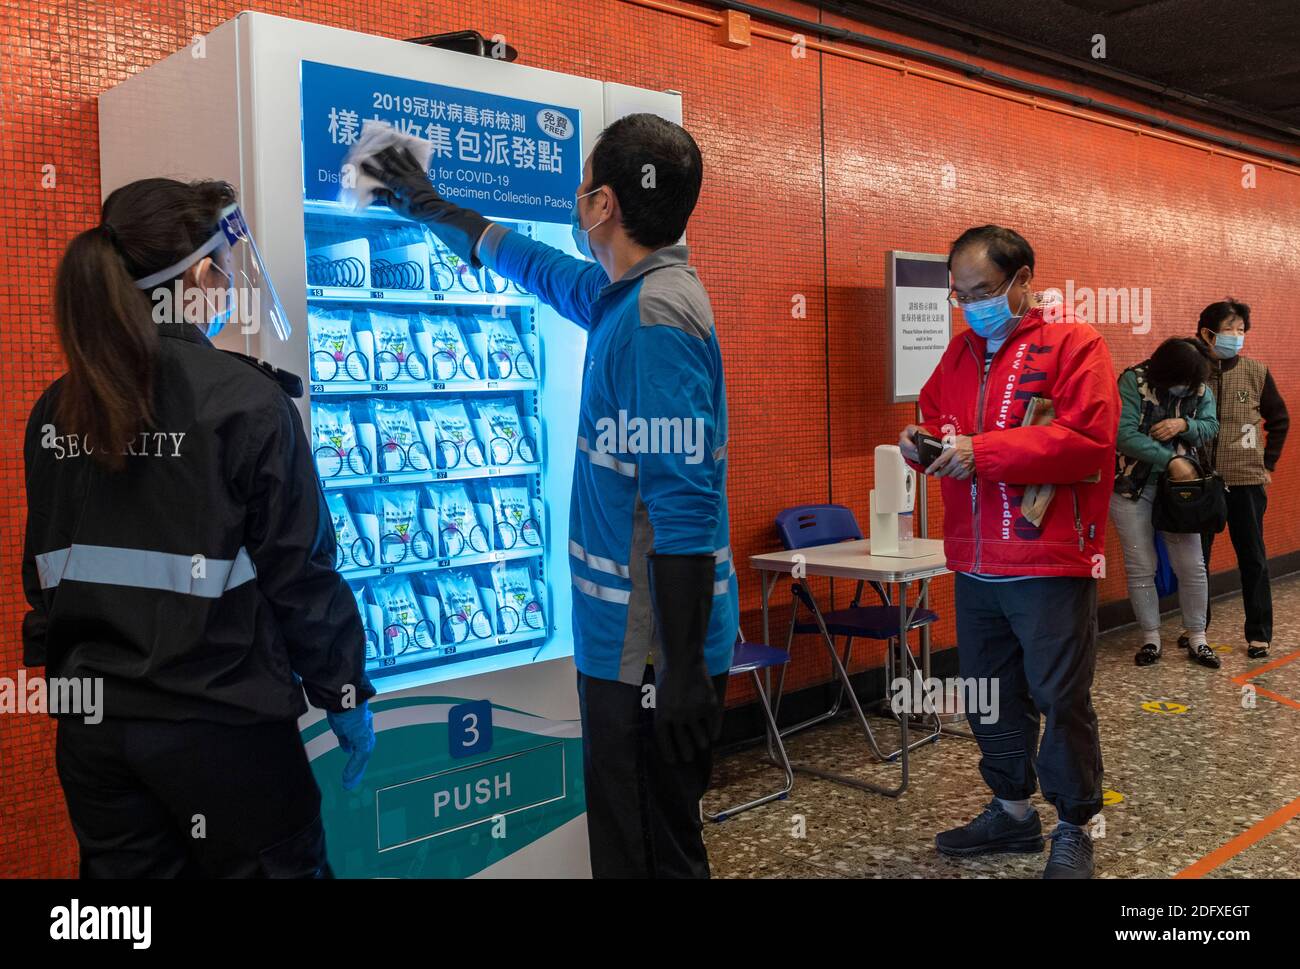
(1027, 557)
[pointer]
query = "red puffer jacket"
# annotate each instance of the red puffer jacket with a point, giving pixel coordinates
(1070, 364)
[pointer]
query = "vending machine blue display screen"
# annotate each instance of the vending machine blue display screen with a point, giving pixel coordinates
(426, 374)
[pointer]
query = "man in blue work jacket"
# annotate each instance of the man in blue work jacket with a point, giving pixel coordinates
(655, 601)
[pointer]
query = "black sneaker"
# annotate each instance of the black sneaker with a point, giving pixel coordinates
(995, 831)
(1147, 655)
(1203, 654)
(1071, 853)
(1257, 650)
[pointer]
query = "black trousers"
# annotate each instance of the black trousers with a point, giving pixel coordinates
(161, 799)
(1246, 507)
(1036, 639)
(643, 814)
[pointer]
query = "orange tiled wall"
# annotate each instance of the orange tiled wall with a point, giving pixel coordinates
(815, 166)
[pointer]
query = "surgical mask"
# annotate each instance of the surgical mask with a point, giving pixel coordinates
(218, 320)
(990, 318)
(581, 236)
(1228, 345)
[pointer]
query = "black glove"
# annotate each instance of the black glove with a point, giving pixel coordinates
(688, 717)
(408, 191)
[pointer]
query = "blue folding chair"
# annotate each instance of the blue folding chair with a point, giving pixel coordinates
(751, 658)
(809, 525)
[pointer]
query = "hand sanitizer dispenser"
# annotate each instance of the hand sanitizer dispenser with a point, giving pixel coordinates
(892, 501)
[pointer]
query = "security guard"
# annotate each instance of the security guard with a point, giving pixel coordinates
(648, 531)
(178, 552)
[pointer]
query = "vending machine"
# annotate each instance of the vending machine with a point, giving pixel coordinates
(441, 405)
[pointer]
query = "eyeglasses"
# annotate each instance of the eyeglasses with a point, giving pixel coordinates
(956, 300)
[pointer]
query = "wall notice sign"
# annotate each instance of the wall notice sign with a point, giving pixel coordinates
(920, 319)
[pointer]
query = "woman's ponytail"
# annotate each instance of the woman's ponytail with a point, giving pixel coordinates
(111, 346)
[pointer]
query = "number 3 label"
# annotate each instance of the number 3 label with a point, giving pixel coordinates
(469, 728)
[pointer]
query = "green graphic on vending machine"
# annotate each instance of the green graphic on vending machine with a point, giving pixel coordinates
(453, 787)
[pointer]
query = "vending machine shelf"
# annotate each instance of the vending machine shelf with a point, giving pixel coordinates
(406, 297)
(348, 482)
(421, 658)
(429, 565)
(398, 388)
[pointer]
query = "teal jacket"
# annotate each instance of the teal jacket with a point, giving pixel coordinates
(1140, 409)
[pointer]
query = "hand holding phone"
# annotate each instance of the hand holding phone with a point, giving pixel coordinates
(928, 447)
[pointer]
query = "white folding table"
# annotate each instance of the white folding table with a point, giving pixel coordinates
(853, 560)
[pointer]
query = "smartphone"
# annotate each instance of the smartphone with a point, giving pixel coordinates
(928, 447)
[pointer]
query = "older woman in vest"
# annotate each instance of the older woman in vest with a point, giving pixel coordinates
(1167, 415)
(1255, 422)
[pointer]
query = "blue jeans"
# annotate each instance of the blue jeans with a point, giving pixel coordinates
(1138, 539)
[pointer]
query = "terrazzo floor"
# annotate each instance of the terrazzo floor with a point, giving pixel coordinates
(1212, 790)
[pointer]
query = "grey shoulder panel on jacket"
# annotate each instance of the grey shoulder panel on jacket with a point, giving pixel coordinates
(674, 296)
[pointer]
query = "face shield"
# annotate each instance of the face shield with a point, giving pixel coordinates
(250, 301)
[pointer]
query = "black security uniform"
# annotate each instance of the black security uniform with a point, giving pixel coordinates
(198, 584)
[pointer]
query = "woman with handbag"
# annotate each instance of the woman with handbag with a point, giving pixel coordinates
(1168, 413)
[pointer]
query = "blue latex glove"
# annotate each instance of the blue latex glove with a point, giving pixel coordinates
(356, 732)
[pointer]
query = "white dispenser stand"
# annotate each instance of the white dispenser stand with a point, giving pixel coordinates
(892, 502)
